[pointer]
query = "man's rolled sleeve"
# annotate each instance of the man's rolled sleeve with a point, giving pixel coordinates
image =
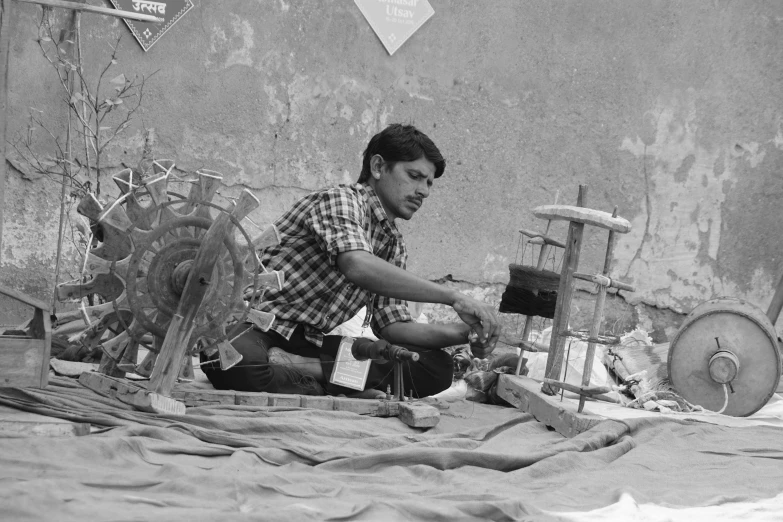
(389, 311)
(337, 222)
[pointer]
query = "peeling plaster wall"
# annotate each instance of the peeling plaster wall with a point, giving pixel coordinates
(671, 111)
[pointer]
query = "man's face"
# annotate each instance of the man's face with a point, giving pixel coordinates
(403, 187)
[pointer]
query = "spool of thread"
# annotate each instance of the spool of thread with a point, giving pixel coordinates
(525, 302)
(530, 278)
(520, 294)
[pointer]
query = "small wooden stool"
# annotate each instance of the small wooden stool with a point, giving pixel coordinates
(24, 355)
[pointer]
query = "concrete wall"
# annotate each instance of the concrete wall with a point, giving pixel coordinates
(670, 110)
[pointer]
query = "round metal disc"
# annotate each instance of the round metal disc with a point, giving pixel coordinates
(740, 328)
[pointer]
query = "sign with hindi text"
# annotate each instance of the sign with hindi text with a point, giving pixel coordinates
(394, 21)
(347, 371)
(147, 33)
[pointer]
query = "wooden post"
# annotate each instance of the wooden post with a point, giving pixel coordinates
(5, 44)
(565, 292)
(598, 315)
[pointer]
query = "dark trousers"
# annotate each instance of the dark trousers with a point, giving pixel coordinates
(432, 373)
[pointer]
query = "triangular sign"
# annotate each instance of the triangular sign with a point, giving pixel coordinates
(394, 21)
(147, 33)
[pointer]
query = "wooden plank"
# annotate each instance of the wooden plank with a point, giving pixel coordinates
(358, 406)
(524, 393)
(419, 415)
(204, 397)
(285, 399)
(21, 362)
(200, 397)
(131, 394)
(97, 10)
(251, 399)
(5, 45)
(42, 429)
(387, 409)
(587, 216)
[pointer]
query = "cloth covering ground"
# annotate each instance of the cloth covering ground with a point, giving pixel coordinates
(481, 462)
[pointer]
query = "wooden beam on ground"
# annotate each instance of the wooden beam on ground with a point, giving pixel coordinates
(95, 9)
(524, 393)
(131, 394)
(414, 414)
(203, 397)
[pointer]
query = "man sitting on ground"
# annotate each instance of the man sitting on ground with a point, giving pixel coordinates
(340, 250)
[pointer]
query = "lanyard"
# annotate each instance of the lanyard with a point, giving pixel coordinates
(368, 315)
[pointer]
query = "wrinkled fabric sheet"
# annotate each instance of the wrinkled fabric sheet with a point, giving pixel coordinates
(481, 462)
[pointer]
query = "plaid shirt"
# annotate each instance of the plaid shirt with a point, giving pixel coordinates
(313, 232)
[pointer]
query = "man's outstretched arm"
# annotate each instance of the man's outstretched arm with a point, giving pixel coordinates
(422, 335)
(376, 275)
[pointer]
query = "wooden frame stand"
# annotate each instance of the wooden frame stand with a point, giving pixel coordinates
(537, 398)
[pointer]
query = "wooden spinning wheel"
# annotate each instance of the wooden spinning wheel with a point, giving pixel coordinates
(171, 270)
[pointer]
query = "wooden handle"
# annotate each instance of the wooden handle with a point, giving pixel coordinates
(543, 237)
(600, 279)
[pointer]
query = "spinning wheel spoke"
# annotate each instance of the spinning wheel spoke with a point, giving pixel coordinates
(198, 233)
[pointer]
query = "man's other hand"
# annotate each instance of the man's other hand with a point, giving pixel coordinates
(482, 319)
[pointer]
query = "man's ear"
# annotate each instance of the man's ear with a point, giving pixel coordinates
(376, 164)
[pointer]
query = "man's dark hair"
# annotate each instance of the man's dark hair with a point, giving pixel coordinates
(399, 142)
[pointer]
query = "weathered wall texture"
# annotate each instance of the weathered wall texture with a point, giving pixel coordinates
(670, 110)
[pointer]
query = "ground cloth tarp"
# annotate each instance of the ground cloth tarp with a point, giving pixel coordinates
(481, 462)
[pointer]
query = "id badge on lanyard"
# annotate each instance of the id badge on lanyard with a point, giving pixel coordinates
(368, 315)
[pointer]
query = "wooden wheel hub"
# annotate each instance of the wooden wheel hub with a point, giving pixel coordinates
(169, 272)
(726, 343)
(179, 276)
(724, 367)
(169, 253)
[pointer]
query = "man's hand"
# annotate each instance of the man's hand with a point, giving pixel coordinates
(476, 348)
(482, 319)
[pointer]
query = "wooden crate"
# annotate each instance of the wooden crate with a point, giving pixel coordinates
(24, 355)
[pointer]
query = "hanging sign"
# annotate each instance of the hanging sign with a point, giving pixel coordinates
(147, 33)
(394, 21)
